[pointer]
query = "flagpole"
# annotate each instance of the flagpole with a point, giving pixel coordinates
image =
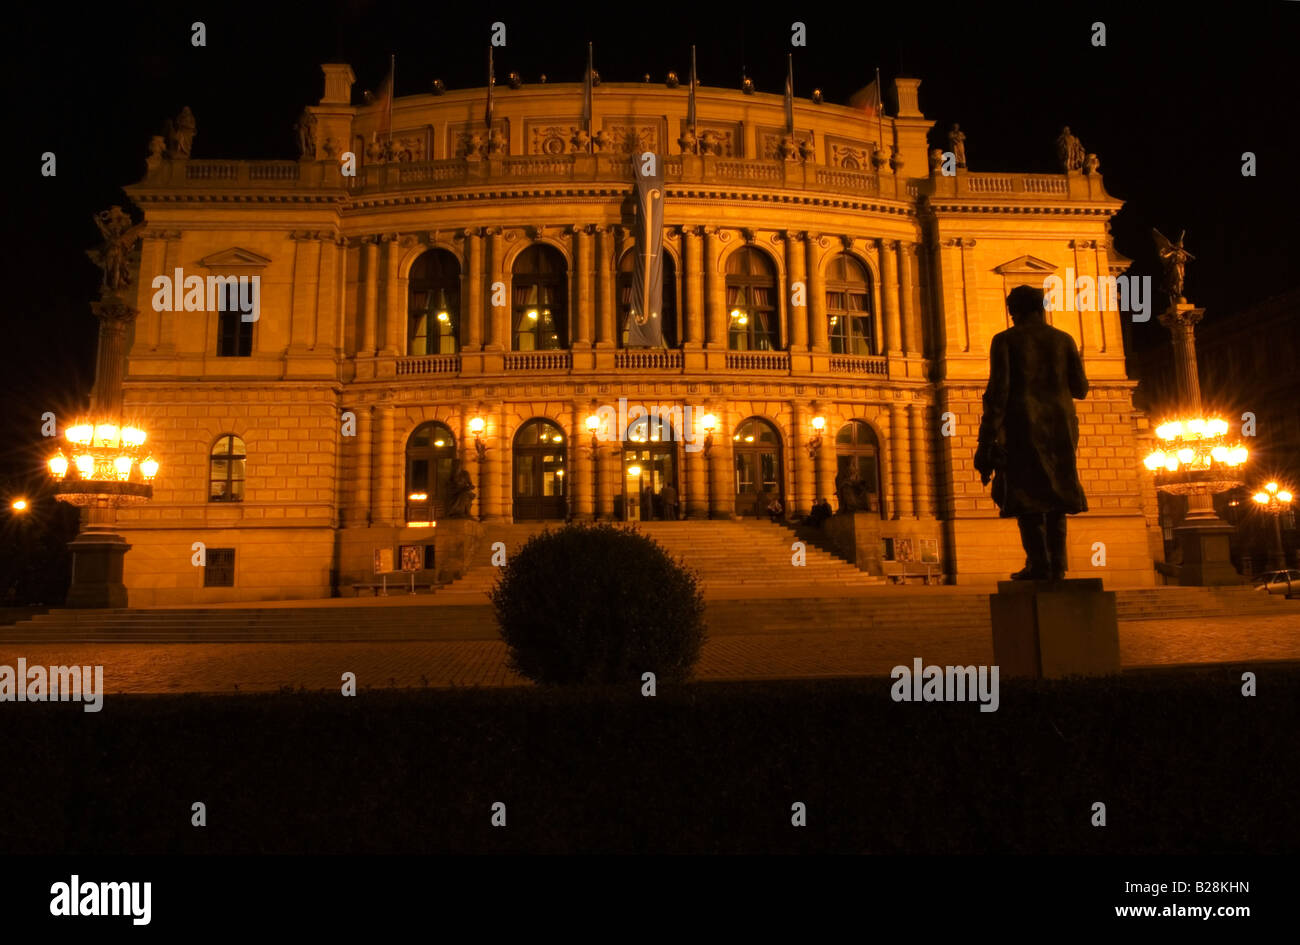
(789, 94)
(694, 133)
(392, 92)
(880, 109)
(487, 116)
(587, 97)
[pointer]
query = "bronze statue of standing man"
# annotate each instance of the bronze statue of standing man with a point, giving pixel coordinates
(1029, 434)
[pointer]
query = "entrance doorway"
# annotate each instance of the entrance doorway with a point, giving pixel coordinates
(539, 487)
(650, 488)
(757, 449)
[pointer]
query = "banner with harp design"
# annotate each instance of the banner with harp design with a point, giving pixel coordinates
(645, 324)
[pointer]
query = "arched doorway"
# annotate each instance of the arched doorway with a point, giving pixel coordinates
(539, 488)
(757, 449)
(856, 443)
(429, 454)
(649, 468)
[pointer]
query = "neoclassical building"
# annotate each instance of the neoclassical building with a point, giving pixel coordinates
(828, 301)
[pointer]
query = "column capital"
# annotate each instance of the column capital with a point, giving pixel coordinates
(847, 242)
(471, 231)
(888, 245)
(689, 230)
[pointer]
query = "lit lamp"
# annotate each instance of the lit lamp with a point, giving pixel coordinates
(593, 425)
(815, 441)
(1275, 500)
(476, 426)
(708, 423)
(19, 505)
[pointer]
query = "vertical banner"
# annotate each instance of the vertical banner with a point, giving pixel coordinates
(645, 325)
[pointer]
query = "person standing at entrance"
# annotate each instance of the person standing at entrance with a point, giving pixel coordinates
(1029, 433)
(668, 499)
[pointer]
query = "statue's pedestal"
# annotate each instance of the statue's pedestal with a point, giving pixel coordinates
(97, 559)
(455, 542)
(856, 536)
(1053, 629)
(1207, 553)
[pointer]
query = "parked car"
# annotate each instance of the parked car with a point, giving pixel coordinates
(1279, 582)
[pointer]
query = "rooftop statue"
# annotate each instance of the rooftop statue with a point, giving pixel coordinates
(180, 133)
(1174, 260)
(1069, 151)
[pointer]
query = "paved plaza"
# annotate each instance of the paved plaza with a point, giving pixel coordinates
(254, 667)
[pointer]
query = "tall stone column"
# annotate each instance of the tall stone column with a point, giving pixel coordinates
(900, 461)
(363, 514)
(370, 308)
(582, 500)
(695, 500)
(498, 315)
(824, 486)
(394, 303)
(919, 435)
(911, 324)
(693, 253)
(606, 285)
(795, 255)
(490, 468)
(609, 471)
(382, 479)
(716, 287)
(722, 466)
(585, 307)
(472, 316)
(817, 296)
(889, 296)
(800, 433)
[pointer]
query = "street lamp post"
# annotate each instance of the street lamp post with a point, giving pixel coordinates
(1275, 500)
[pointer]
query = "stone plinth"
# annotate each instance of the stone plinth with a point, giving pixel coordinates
(856, 536)
(455, 541)
(1053, 629)
(1207, 555)
(97, 559)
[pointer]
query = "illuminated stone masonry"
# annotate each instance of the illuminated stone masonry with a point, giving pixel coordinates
(466, 302)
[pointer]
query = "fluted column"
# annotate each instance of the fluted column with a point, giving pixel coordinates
(585, 307)
(889, 296)
(900, 461)
(582, 500)
(370, 313)
(693, 253)
(817, 296)
(919, 435)
(498, 315)
(795, 255)
(394, 302)
(716, 287)
(911, 325)
(606, 282)
(472, 316)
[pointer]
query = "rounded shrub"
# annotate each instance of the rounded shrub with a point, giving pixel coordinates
(598, 604)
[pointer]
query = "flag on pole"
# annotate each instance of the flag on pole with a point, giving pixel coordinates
(867, 99)
(645, 324)
(690, 103)
(385, 100)
(789, 94)
(487, 115)
(586, 98)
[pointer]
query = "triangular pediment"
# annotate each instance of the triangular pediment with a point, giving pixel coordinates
(1025, 265)
(235, 258)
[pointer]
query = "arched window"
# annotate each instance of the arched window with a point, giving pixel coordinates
(429, 454)
(668, 313)
(856, 445)
(226, 469)
(751, 302)
(539, 454)
(540, 302)
(433, 324)
(848, 307)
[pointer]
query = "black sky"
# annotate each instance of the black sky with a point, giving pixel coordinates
(1169, 105)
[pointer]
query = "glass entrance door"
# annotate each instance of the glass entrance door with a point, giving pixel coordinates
(649, 482)
(539, 486)
(757, 450)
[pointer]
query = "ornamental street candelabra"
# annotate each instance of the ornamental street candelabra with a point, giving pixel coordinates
(1275, 500)
(108, 466)
(1197, 458)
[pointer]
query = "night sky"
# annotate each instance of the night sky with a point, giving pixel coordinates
(1169, 105)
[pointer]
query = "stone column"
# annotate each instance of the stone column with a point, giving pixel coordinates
(692, 254)
(795, 255)
(824, 487)
(153, 251)
(716, 287)
(900, 461)
(306, 290)
(800, 433)
(362, 474)
(722, 467)
(911, 325)
(490, 468)
(384, 483)
(696, 498)
(817, 296)
(582, 499)
(499, 315)
(609, 468)
(585, 307)
(606, 276)
(394, 301)
(370, 312)
(472, 313)
(919, 436)
(889, 297)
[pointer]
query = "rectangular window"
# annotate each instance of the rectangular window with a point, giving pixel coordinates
(219, 567)
(234, 336)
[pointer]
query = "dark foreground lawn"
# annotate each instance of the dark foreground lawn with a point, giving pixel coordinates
(1182, 761)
